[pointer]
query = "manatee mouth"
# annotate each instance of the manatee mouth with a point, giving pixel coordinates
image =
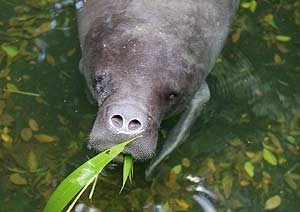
(119, 158)
(141, 149)
(116, 123)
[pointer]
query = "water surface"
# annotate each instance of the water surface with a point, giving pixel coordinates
(254, 109)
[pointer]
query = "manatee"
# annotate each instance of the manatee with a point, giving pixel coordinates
(146, 60)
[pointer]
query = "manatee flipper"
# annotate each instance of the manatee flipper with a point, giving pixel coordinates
(181, 131)
(80, 66)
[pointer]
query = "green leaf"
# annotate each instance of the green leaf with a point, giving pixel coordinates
(246, 5)
(227, 182)
(283, 38)
(249, 168)
(291, 139)
(274, 140)
(14, 89)
(251, 5)
(273, 202)
(127, 169)
(11, 87)
(176, 169)
(44, 27)
(269, 157)
(290, 182)
(165, 207)
(163, 133)
(11, 51)
(273, 24)
(81, 177)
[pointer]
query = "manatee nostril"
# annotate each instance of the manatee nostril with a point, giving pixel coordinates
(134, 124)
(117, 121)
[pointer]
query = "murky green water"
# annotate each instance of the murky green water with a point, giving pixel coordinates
(252, 119)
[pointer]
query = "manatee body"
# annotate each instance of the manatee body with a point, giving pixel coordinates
(144, 60)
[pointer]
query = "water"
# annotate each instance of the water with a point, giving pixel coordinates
(255, 99)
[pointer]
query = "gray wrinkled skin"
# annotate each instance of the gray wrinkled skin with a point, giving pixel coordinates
(144, 60)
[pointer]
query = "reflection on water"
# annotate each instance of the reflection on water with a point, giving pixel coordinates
(245, 147)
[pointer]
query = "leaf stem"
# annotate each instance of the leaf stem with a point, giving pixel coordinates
(79, 194)
(23, 92)
(94, 186)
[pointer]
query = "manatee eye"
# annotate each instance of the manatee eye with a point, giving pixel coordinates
(170, 96)
(173, 97)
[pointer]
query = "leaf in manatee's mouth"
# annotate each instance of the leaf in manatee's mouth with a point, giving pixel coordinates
(127, 169)
(77, 182)
(119, 158)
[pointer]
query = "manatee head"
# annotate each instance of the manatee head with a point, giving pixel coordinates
(138, 76)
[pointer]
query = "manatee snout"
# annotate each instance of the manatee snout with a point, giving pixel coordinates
(127, 119)
(119, 122)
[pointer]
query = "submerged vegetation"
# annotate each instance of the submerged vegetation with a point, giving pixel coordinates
(245, 149)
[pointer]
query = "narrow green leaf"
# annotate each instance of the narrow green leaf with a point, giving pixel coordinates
(25, 93)
(127, 169)
(273, 24)
(14, 89)
(81, 177)
(283, 38)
